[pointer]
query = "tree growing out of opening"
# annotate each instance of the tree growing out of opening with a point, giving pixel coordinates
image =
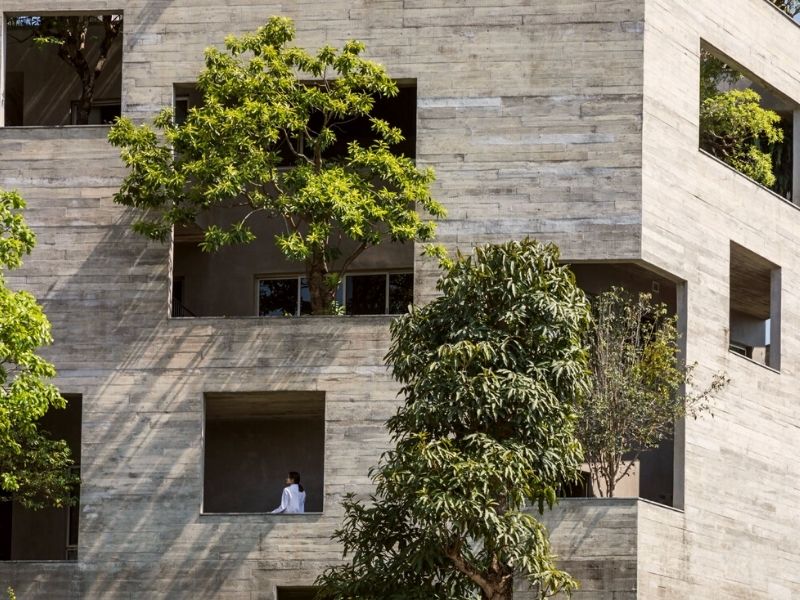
(637, 384)
(790, 7)
(34, 469)
(734, 126)
(78, 46)
(264, 100)
(490, 372)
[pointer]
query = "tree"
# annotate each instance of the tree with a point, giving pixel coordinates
(261, 141)
(791, 7)
(734, 126)
(74, 36)
(637, 384)
(490, 371)
(34, 469)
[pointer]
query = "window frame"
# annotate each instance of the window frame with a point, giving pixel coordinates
(342, 286)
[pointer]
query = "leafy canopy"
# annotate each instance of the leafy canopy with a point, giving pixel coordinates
(490, 373)
(637, 384)
(734, 126)
(34, 469)
(264, 100)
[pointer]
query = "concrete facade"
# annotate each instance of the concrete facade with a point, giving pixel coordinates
(574, 122)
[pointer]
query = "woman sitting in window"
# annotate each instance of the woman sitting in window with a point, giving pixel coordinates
(293, 498)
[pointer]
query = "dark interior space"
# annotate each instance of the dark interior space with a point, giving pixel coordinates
(399, 111)
(42, 89)
(752, 322)
(50, 533)
(252, 440)
(656, 467)
(297, 593)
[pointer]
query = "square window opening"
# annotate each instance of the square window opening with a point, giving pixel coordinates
(252, 440)
(748, 124)
(399, 111)
(256, 278)
(54, 77)
(656, 474)
(754, 326)
(49, 533)
(296, 592)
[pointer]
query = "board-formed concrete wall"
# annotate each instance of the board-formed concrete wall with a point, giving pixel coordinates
(531, 113)
(741, 471)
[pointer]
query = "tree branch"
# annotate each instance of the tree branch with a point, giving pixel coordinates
(463, 567)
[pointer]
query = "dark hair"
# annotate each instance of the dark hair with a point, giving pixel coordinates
(295, 477)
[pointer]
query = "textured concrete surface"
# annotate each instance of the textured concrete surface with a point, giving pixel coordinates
(573, 122)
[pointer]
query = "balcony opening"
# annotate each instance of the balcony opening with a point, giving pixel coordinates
(656, 474)
(400, 111)
(256, 279)
(252, 440)
(755, 312)
(49, 533)
(748, 124)
(63, 69)
(297, 593)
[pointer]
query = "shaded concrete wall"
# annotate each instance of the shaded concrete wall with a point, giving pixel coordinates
(246, 462)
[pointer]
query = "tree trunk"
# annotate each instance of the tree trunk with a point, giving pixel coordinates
(502, 591)
(322, 294)
(85, 102)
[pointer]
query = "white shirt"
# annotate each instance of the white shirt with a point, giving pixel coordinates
(292, 500)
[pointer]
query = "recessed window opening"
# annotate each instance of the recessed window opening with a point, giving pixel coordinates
(754, 326)
(49, 533)
(400, 111)
(63, 69)
(222, 283)
(359, 294)
(253, 440)
(297, 593)
(748, 124)
(655, 474)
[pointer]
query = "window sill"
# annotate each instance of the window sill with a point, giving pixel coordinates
(755, 362)
(620, 500)
(40, 561)
(750, 179)
(282, 319)
(260, 515)
(53, 127)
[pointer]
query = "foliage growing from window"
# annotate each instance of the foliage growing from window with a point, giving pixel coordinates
(34, 469)
(739, 131)
(491, 371)
(791, 7)
(637, 383)
(77, 46)
(258, 105)
(734, 126)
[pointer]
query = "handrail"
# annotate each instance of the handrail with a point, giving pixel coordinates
(179, 310)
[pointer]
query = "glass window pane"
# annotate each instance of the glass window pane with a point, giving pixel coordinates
(277, 297)
(401, 292)
(305, 297)
(366, 294)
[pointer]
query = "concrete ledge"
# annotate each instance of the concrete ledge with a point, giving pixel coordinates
(598, 542)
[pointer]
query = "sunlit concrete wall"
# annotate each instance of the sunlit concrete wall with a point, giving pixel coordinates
(741, 471)
(532, 115)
